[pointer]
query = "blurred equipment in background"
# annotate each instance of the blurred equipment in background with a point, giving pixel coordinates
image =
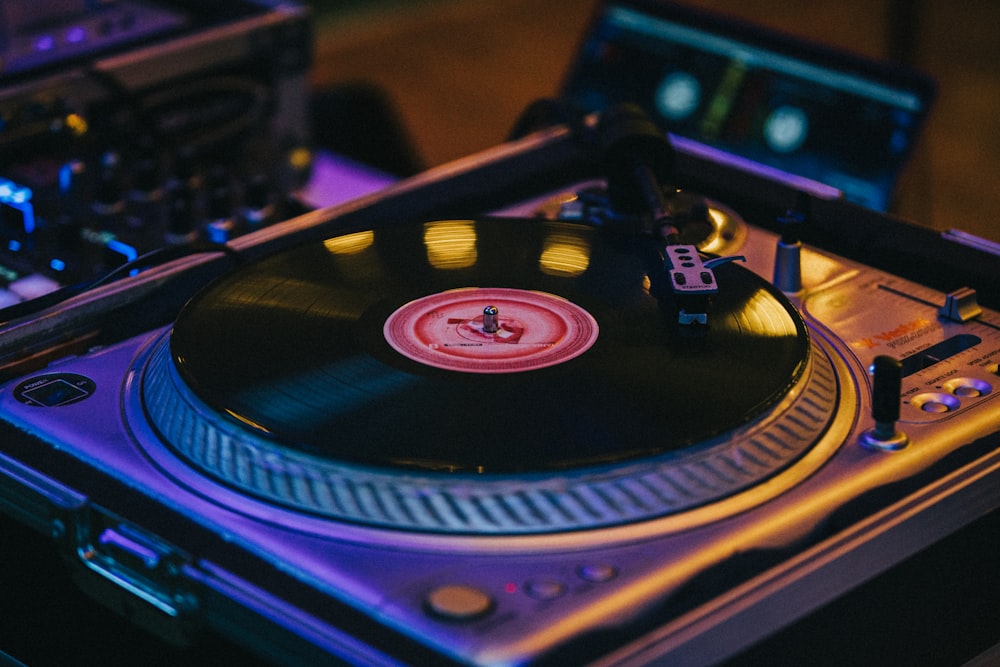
(128, 127)
(735, 88)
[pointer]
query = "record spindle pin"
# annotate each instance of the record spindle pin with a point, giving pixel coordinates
(491, 320)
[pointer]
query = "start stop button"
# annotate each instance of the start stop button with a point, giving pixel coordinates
(458, 603)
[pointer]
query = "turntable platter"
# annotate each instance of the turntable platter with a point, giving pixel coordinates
(483, 377)
(327, 349)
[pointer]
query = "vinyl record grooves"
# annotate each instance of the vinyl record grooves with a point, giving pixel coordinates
(295, 349)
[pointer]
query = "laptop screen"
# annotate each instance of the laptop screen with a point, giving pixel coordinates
(801, 108)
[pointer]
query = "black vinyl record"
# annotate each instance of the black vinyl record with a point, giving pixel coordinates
(380, 348)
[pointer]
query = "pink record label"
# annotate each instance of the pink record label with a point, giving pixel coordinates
(490, 330)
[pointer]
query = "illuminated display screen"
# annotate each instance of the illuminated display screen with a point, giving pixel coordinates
(837, 119)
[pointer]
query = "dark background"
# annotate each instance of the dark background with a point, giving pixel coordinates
(461, 71)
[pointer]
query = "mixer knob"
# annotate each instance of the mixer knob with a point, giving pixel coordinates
(887, 378)
(146, 185)
(72, 177)
(220, 195)
(108, 197)
(221, 230)
(182, 225)
(257, 204)
(17, 211)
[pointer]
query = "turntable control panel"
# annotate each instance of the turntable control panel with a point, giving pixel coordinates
(947, 364)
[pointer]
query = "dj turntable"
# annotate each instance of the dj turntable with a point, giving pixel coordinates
(564, 401)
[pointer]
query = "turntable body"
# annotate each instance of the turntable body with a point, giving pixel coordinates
(685, 549)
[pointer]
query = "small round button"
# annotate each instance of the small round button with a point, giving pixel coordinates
(459, 603)
(544, 589)
(935, 402)
(967, 387)
(597, 573)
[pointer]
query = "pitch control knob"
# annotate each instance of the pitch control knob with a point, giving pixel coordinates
(887, 378)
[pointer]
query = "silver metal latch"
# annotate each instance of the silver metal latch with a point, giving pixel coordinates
(136, 562)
